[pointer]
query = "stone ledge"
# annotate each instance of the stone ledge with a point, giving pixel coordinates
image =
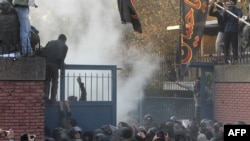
(232, 73)
(26, 68)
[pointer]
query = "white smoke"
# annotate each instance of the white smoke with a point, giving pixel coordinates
(93, 29)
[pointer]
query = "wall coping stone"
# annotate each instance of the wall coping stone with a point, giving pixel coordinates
(24, 68)
(238, 73)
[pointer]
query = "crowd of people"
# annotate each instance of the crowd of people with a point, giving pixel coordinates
(9, 134)
(173, 129)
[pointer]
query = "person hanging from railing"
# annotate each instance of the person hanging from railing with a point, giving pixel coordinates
(68, 128)
(82, 88)
(55, 52)
(83, 95)
(196, 89)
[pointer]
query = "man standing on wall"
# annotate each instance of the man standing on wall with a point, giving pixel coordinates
(196, 89)
(219, 15)
(55, 52)
(231, 30)
(22, 10)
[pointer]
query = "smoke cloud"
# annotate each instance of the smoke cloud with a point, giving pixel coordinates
(94, 31)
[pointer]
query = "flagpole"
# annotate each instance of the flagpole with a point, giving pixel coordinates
(232, 14)
(178, 54)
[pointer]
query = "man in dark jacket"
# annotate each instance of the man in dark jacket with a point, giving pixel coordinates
(231, 30)
(55, 52)
(196, 89)
(218, 13)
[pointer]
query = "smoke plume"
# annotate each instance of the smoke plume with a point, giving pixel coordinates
(94, 31)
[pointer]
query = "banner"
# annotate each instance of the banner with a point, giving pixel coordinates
(194, 15)
(128, 14)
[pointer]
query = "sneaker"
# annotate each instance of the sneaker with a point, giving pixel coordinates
(29, 54)
(52, 101)
(24, 55)
(234, 61)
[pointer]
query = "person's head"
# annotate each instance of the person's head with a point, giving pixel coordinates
(76, 132)
(62, 37)
(27, 137)
(234, 1)
(126, 132)
(217, 125)
(122, 124)
(49, 139)
(240, 122)
(192, 127)
(72, 121)
(197, 80)
(220, 4)
(231, 3)
(107, 130)
(147, 119)
(161, 135)
(173, 118)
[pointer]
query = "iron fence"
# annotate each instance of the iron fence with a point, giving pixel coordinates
(99, 82)
(162, 108)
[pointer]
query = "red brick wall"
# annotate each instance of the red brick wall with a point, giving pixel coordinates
(232, 102)
(22, 108)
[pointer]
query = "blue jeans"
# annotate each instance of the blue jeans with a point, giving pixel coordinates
(25, 28)
(218, 44)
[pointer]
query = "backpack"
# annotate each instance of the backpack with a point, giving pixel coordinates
(9, 28)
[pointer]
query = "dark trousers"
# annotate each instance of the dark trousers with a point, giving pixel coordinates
(83, 92)
(51, 79)
(197, 114)
(231, 38)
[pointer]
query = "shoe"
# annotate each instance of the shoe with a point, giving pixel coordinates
(228, 61)
(235, 61)
(52, 101)
(46, 101)
(29, 54)
(17, 55)
(24, 55)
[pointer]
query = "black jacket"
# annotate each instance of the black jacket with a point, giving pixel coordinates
(219, 16)
(55, 52)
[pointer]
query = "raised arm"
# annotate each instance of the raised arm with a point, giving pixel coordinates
(188, 87)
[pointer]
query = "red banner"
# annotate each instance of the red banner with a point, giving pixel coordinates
(194, 15)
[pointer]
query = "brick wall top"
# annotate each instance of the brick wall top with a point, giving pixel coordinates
(28, 68)
(232, 73)
(22, 96)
